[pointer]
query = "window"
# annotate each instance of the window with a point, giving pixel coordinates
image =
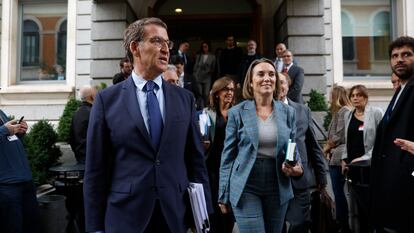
(42, 43)
(30, 45)
(348, 47)
(381, 35)
(61, 51)
(366, 33)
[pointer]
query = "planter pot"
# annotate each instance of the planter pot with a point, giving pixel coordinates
(53, 214)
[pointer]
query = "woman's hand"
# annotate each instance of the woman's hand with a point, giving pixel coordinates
(290, 170)
(357, 160)
(405, 145)
(225, 209)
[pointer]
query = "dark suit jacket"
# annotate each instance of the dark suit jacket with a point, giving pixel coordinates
(313, 163)
(78, 130)
(125, 174)
(119, 77)
(297, 76)
(392, 180)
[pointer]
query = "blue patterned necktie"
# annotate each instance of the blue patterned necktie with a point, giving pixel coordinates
(154, 114)
(387, 114)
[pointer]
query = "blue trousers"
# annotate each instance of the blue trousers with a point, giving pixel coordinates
(259, 208)
(18, 208)
(338, 182)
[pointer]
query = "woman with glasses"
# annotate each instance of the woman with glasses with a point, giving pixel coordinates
(254, 178)
(204, 69)
(221, 99)
(360, 130)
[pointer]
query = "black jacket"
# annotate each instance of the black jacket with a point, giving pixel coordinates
(78, 130)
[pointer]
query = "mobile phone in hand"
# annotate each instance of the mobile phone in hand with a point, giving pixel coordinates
(20, 120)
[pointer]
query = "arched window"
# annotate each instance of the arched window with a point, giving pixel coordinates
(348, 44)
(30, 46)
(61, 43)
(381, 35)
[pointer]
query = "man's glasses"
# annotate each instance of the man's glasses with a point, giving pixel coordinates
(159, 42)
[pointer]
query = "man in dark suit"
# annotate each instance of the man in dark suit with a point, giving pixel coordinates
(313, 163)
(297, 76)
(248, 59)
(126, 69)
(392, 169)
(143, 145)
(80, 121)
(187, 81)
(230, 59)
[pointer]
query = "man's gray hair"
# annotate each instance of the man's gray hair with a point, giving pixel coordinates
(135, 32)
(171, 67)
(85, 92)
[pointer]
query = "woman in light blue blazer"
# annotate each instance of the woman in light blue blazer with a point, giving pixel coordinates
(254, 180)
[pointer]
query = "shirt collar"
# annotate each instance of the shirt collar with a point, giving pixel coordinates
(140, 82)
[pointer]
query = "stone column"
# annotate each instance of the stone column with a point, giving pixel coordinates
(300, 24)
(109, 20)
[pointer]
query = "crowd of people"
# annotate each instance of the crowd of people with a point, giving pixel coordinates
(143, 144)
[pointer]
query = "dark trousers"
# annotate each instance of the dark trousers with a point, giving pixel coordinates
(338, 182)
(157, 224)
(298, 214)
(219, 222)
(18, 208)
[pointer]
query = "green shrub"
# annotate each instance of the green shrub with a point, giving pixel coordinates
(42, 151)
(317, 102)
(327, 120)
(66, 119)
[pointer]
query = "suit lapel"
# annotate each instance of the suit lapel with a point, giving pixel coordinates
(131, 101)
(249, 119)
(280, 121)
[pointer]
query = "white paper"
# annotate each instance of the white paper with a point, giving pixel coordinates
(204, 122)
(199, 208)
(291, 151)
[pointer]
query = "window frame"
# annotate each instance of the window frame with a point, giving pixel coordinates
(11, 52)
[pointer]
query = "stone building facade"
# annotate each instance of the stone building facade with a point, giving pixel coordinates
(43, 65)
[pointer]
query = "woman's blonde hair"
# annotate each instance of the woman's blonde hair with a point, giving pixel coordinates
(248, 89)
(339, 99)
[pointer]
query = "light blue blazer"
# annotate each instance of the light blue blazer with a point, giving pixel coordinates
(241, 146)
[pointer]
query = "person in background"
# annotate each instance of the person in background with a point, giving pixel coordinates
(80, 122)
(143, 145)
(334, 148)
(254, 178)
(278, 61)
(395, 81)
(392, 177)
(170, 75)
(203, 70)
(297, 76)
(248, 59)
(360, 128)
(187, 81)
(230, 59)
(126, 69)
(314, 167)
(18, 203)
(221, 99)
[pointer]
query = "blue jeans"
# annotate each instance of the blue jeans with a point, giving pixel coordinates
(259, 208)
(338, 182)
(18, 208)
